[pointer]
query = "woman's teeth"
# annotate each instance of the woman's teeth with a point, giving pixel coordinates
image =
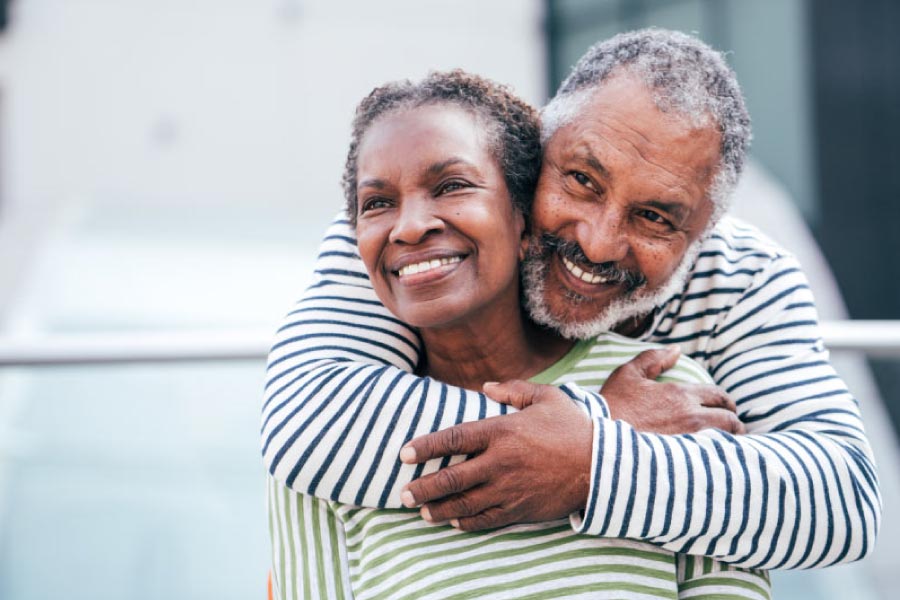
(582, 275)
(427, 265)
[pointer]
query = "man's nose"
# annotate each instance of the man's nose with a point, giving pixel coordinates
(416, 219)
(604, 238)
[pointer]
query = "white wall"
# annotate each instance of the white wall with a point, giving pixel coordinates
(227, 101)
(166, 133)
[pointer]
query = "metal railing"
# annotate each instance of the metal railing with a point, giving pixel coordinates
(874, 338)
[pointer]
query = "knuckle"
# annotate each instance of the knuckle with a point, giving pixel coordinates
(454, 439)
(462, 506)
(729, 403)
(448, 481)
(425, 446)
(695, 422)
(645, 355)
(719, 397)
(674, 393)
(488, 519)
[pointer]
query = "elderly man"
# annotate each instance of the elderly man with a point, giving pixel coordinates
(644, 143)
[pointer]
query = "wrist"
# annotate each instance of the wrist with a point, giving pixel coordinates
(582, 516)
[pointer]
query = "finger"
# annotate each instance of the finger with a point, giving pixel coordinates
(446, 482)
(714, 397)
(466, 438)
(490, 518)
(515, 392)
(720, 418)
(458, 506)
(653, 363)
(737, 426)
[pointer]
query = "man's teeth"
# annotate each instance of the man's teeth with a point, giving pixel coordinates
(427, 265)
(582, 275)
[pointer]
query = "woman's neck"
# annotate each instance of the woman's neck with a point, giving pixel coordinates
(497, 347)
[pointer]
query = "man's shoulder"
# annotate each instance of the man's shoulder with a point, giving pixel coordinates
(733, 258)
(733, 240)
(734, 254)
(736, 267)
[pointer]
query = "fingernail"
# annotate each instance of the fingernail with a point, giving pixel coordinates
(673, 350)
(490, 384)
(426, 514)
(408, 454)
(454, 523)
(407, 498)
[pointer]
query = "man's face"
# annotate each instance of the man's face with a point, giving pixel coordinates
(621, 201)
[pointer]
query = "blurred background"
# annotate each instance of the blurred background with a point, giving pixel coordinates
(167, 168)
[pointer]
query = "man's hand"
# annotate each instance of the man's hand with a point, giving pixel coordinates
(633, 395)
(530, 466)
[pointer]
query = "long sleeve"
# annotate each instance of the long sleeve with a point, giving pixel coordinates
(799, 491)
(340, 401)
(309, 547)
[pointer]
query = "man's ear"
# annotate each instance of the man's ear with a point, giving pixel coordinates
(523, 242)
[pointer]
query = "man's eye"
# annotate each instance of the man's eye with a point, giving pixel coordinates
(654, 217)
(584, 180)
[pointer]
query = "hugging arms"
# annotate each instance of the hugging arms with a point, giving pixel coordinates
(629, 234)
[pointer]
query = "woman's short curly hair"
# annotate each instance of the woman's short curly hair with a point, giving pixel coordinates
(513, 126)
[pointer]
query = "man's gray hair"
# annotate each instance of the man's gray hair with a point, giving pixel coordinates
(685, 76)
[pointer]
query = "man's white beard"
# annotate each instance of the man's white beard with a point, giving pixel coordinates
(637, 303)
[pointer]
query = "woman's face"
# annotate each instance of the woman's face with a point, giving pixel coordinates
(435, 224)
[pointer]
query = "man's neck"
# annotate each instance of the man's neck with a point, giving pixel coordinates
(635, 326)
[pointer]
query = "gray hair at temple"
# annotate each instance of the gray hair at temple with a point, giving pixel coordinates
(685, 76)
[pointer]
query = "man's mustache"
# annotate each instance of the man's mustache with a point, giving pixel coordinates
(549, 244)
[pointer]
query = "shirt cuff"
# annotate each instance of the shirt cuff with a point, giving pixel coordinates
(588, 521)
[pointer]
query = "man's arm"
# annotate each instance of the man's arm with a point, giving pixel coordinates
(340, 401)
(799, 491)
(319, 438)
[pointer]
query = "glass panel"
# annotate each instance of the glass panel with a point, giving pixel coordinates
(132, 482)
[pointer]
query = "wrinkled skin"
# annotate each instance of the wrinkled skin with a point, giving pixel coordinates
(628, 184)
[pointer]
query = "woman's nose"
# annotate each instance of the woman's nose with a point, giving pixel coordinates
(416, 219)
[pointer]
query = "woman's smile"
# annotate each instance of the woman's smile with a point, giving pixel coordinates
(436, 225)
(432, 268)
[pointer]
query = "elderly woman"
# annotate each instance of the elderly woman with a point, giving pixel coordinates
(439, 180)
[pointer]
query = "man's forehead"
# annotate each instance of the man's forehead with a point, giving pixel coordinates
(626, 96)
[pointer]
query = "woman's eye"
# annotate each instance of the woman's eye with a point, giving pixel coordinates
(451, 186)
(373, 204)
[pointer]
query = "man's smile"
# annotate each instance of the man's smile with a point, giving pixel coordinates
(584, 276)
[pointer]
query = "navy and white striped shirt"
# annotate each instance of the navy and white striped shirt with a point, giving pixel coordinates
(799, 490)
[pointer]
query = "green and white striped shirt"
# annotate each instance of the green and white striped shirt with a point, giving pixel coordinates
(326, 549)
